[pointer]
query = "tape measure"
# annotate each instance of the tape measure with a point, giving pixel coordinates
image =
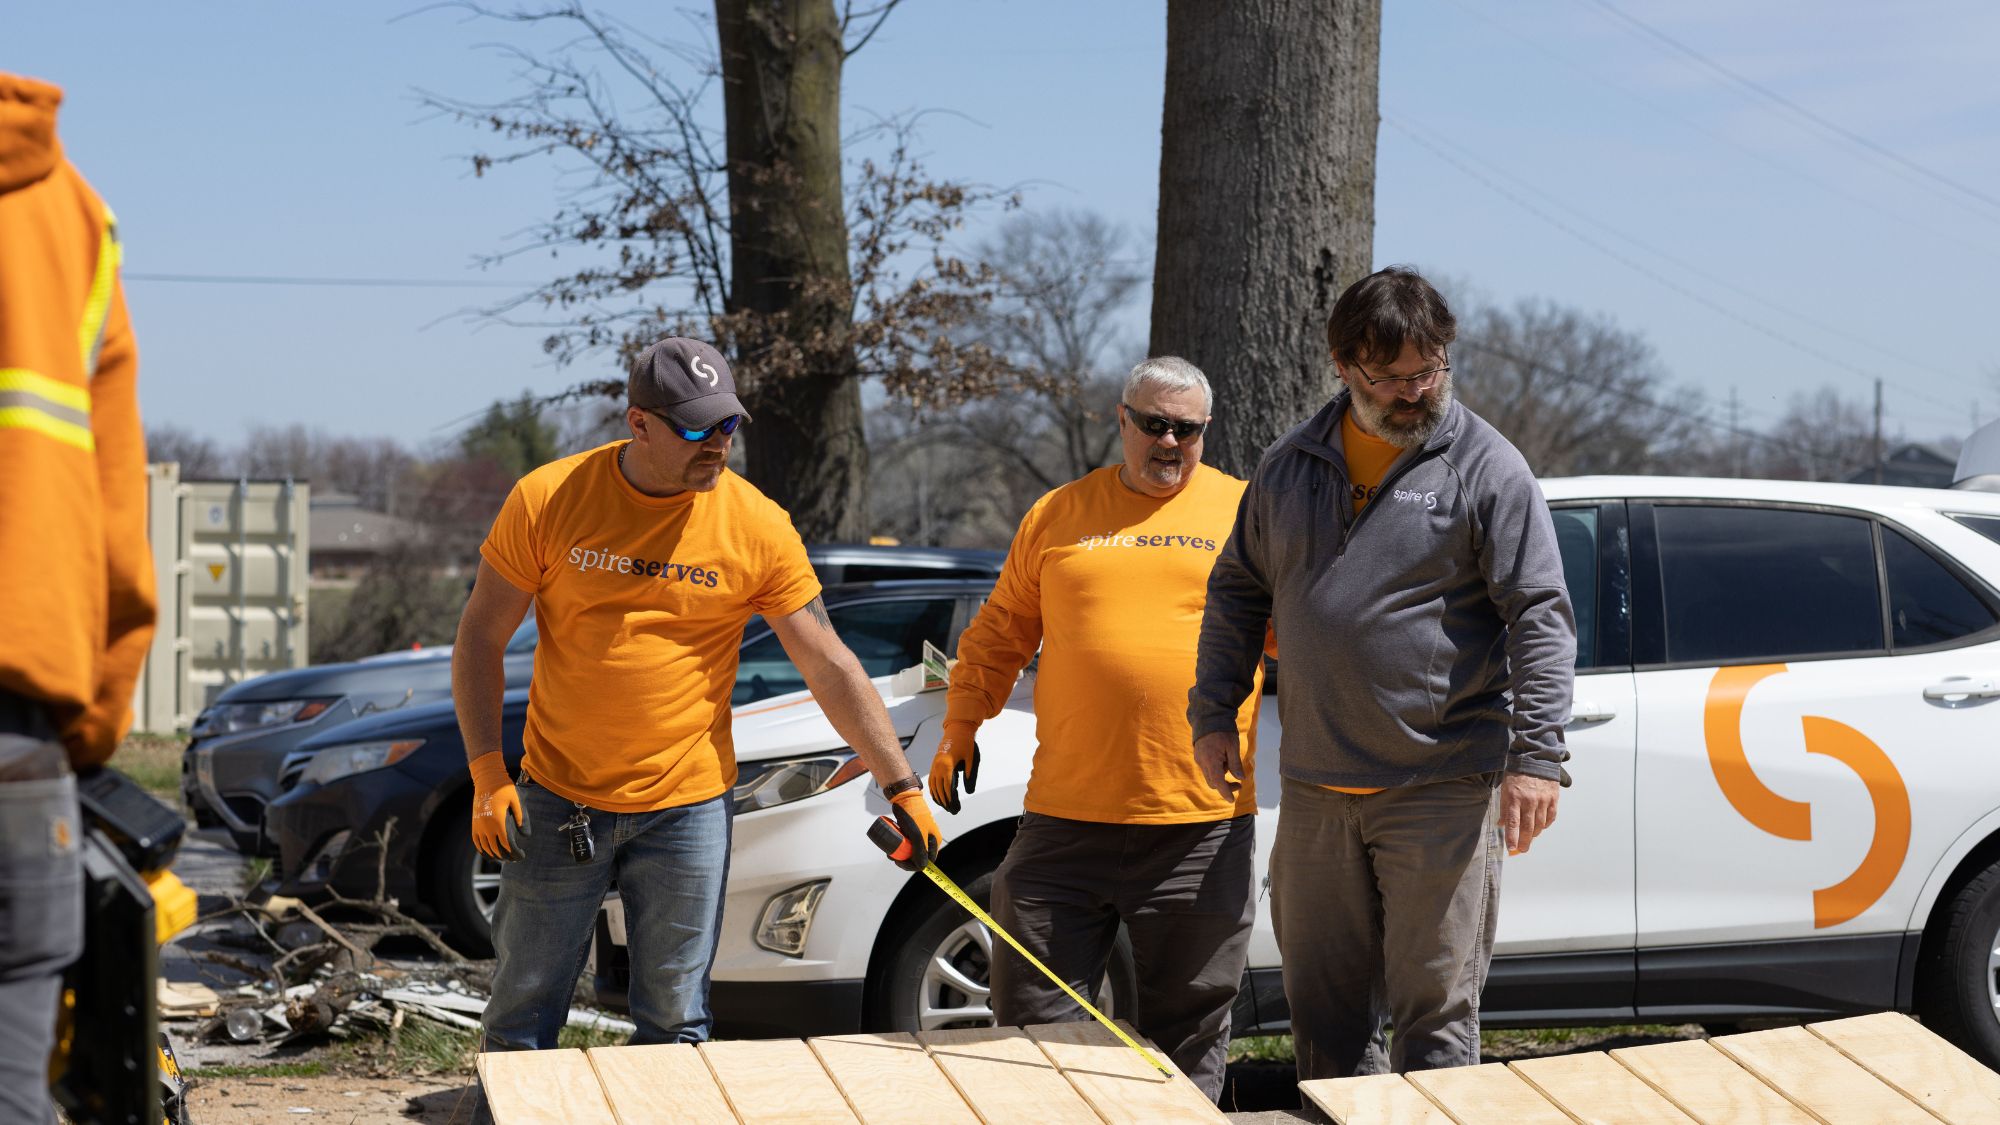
(890, 839)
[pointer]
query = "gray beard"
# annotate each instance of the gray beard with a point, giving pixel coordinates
(1405, 435)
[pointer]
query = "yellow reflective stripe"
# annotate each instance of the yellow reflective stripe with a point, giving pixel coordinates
(28, 418)
(35, 383)
(90, 334)
(30, 400)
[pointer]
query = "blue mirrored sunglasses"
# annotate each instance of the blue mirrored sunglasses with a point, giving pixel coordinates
(727, 425)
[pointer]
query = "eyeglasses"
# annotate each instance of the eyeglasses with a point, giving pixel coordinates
(727, 425)
(1152, 425)
(1421, 380)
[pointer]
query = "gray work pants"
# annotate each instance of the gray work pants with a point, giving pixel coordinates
(1183, 892)
(41, 922)
(1385, 906)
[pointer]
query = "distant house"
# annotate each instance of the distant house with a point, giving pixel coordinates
(348, 538)
(1915, 464)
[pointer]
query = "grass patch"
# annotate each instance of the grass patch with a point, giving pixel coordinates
(424, 1047)
(312, 1069)
(254, 871)
(1261, 1048)
(154, 761)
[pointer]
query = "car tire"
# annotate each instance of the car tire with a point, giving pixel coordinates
(461, 886)
(937, 969)
(1958, 982)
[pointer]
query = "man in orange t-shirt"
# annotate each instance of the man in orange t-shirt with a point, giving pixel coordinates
(644, 560)
(1108, 575)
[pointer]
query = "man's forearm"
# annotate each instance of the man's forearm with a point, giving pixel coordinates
(478, 681)
(851, 703)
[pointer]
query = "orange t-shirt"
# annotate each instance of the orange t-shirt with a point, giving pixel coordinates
(1368, 461)
(641, 603)
(1112, 585)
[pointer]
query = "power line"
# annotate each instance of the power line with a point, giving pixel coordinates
(1786, 103)
(357, 282)
(1955, 239)
(1643, 269)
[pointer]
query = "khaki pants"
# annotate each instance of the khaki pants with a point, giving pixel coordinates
(1385, 906)
(1183, 892)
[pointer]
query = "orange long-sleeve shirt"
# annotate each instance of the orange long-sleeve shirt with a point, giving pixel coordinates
(1111, 585)
(76, 567)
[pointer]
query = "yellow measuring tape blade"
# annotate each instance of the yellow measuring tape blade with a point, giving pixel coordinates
(947, 886)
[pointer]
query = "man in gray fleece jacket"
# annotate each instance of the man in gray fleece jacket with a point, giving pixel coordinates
(1405, 555)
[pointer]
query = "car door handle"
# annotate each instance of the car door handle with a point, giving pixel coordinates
(1591, 713)
(1962, 687)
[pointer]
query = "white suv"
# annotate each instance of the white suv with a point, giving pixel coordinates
(1786, 748)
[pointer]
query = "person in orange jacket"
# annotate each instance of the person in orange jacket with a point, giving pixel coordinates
(76, 567)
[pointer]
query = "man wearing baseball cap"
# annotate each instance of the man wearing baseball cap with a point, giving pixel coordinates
(644, 560)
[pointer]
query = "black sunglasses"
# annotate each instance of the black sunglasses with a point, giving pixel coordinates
(727, 425)
(1152, 425)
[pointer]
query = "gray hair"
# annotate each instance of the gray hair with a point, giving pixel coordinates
(1169, 373)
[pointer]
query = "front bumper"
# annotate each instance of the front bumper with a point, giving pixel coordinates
(329, 837)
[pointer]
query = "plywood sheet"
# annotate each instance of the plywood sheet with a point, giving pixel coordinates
(1594, 1088)
(1373, 1099)
(542, 1088)
(1116, 1082)
(1005, 1077)
(1708, 1085)
(1809, 1071)
(659, 1084)
(776, 1081)
(1918, 1062)
(891, 1079)
(1488, 1095)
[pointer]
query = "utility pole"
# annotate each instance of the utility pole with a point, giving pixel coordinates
(1735, 436)
(1878, 431)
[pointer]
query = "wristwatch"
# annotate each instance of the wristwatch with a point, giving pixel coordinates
(897, 788)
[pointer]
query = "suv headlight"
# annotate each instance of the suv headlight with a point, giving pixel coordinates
(231, 718)
(780, 781)
(336, 762)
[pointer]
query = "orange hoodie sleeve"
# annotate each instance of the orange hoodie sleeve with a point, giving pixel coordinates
(128, 551)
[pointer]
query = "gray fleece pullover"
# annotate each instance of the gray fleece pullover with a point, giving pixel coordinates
(1429, 639)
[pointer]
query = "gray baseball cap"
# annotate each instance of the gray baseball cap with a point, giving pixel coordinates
(686, 380)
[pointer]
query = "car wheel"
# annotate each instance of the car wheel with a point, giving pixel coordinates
(1958, 984)
(464, 886)
(939, 972)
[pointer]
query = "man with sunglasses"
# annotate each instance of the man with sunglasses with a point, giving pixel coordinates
(644, 560)
(1107, 575)
(1409, 562)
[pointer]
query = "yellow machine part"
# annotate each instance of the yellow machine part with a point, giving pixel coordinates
(174, 905)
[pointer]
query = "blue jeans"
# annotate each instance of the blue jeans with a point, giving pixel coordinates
(41, 929)
(669, 867)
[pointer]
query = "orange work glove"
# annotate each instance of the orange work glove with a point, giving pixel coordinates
(914, 820)
(957, 754)
(493, 798)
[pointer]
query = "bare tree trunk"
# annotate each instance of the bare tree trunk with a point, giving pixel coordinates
(1267, 202)
(781, 63)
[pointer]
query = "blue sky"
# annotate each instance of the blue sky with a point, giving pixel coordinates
(1540, 148)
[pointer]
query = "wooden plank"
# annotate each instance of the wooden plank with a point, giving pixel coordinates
(1373, 1099)
(1918, 1062)
(659, 1084)
(891, 1079)
(1828, 1084)
(1489, 1094)
(542, 1088)
(1116, 1082)
(776, 1081)
(1006, 1078)
(1590, 1087)
(1708, 1085)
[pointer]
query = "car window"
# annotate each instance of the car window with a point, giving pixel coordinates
(1927, 603)
(1989, 526)
(886, 636)
(1745, 583)
(1576, 541)
(871, 572)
